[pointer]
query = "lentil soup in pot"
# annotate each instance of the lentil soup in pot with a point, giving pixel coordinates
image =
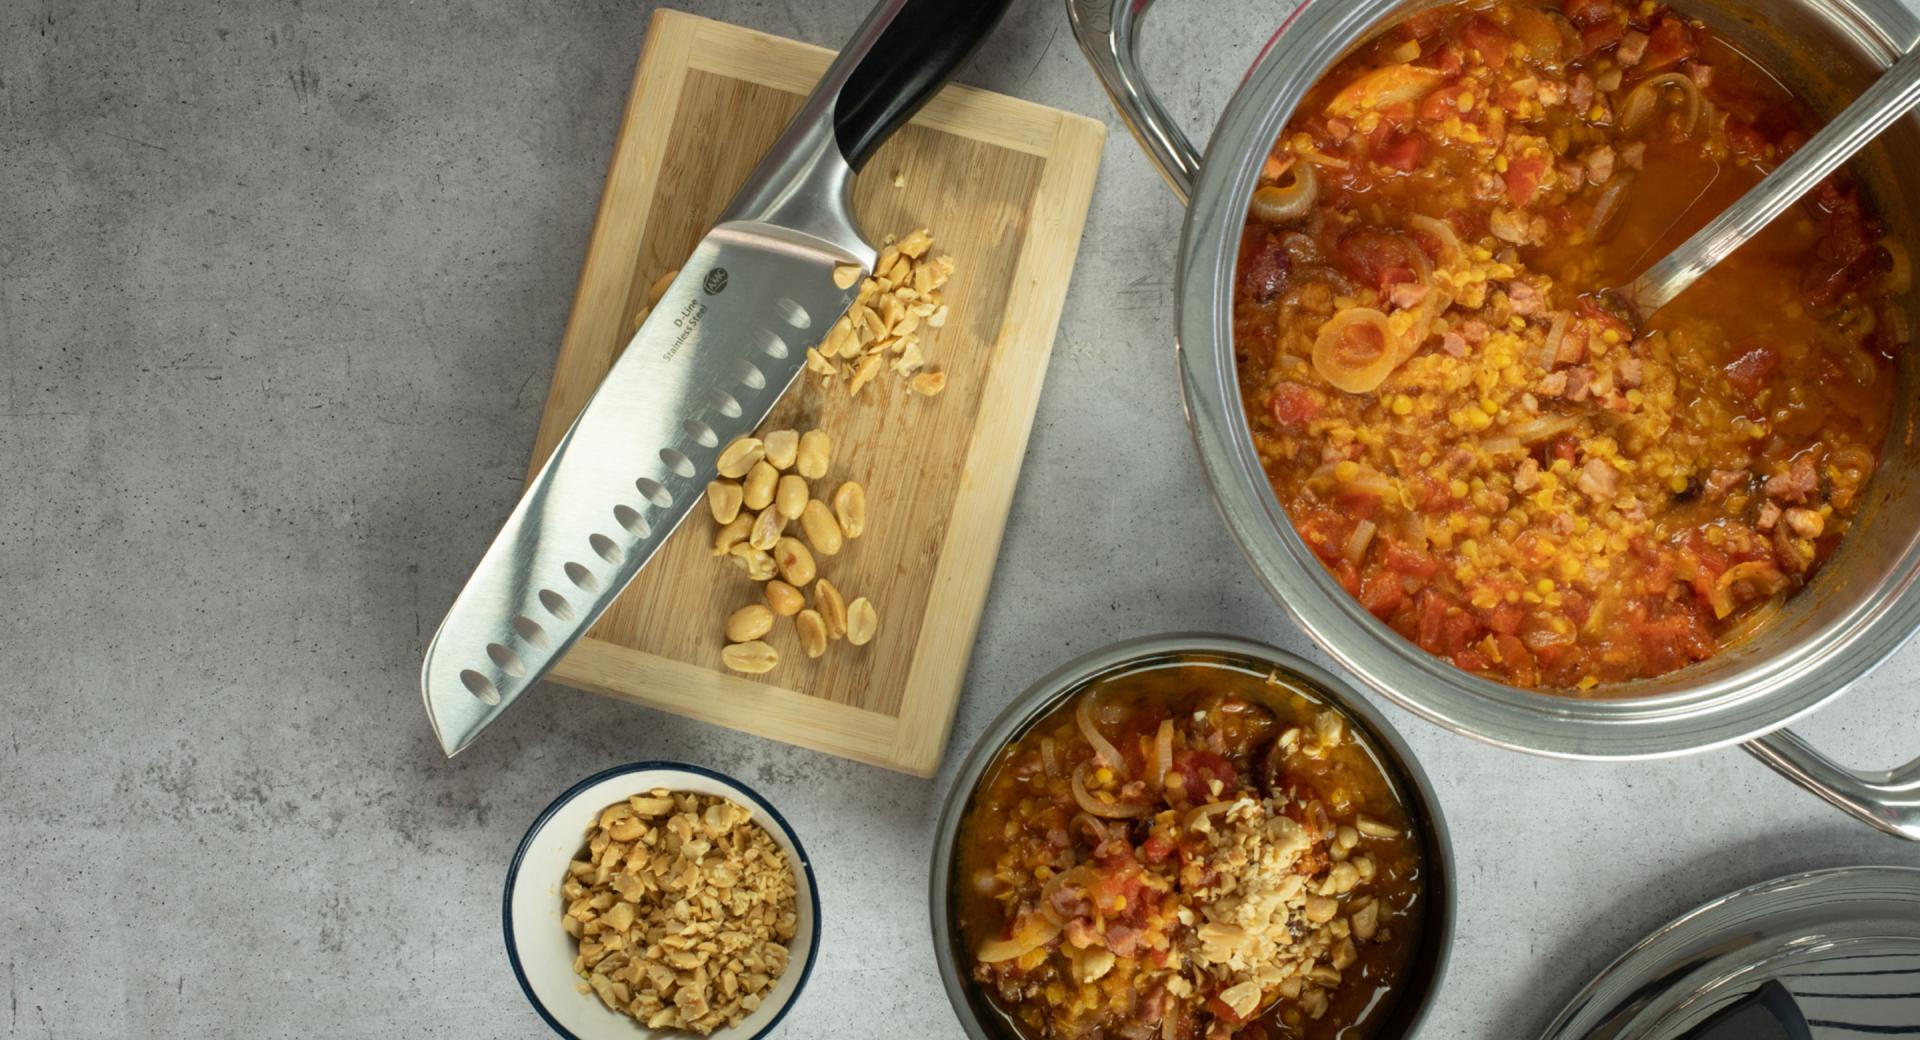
(1497, 466)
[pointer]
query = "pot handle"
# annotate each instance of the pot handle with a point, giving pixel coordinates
(1888, 800)
(1107, 31)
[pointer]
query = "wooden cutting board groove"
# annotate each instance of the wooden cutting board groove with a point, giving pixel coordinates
(1004, 185)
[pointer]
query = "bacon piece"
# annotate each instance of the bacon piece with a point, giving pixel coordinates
(1800, 482)
(1598, 480)
(1633, 47)
(1722, 481)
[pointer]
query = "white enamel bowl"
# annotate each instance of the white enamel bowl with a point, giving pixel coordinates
(542, 952)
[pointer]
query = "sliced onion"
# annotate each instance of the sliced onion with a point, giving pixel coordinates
(1109, 810)
(1432, 306)
(1286, 204)
(1102, 748)
(1383, 88)
(1162, 754)
(1035, 932)
(1356, 548)
(1451, 251)
(1501, 445)
(1098, 834)
(1356, 351)
(1556, 335)
(1643, 102)
(1535, 430)
(1758, 573)
(1607, 210)
(1753, 620)
(1048, 757)
(1078, 875)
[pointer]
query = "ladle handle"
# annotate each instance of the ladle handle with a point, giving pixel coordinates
(1888, 800)
(1891, 96)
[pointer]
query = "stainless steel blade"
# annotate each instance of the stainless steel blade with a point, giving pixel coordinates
(715, 354)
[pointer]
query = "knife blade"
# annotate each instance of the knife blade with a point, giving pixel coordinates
(713, 357)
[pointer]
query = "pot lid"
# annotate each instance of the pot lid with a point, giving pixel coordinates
(1818, 956)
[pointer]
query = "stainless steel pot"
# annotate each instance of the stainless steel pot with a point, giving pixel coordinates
(979, 1018)
(1862, 606)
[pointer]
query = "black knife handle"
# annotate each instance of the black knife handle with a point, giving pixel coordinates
(926, 43)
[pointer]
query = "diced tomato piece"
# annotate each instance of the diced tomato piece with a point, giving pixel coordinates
(1601, 35)
(1199, 768)
(1847, 252)
(1222, 1012)
(1437, 106)
(1493, 42)
(1750, 370)
(1324, 531)
(1402, 151)
(1671, 642)
(1443, 627)
(1472, 661)
(1374, 257)
(1425, 24)
(1294, 405)
(1381, 594)
(1566, 448)
(1358, 505)
(1745, 139)
(1670, 43)
(1505, 619)
(1587, 12)
(1348, 576)
(1517, 660)
(1410, 562)
(1264, 263)
(1156, 849)
(1445, 59)
(1523, 179)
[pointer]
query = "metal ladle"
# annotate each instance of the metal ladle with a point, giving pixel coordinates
(1893, 95)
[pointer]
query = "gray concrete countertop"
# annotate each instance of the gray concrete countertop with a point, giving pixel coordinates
(280, 289)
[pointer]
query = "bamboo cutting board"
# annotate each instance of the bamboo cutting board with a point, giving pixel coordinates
(1004, 186)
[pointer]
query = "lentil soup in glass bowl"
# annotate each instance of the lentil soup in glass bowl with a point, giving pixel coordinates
(1192, 846)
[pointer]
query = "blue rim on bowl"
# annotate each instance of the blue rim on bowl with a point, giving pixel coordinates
(805, 868)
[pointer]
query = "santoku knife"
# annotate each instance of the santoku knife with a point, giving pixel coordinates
(719, 349)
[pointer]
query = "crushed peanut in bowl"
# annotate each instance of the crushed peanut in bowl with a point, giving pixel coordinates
(684, 910)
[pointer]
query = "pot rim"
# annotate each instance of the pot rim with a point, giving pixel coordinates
(1734, 706)
(1045, 693)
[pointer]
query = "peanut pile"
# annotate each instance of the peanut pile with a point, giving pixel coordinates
(683, 909)
(764, 488)
(882, 327)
